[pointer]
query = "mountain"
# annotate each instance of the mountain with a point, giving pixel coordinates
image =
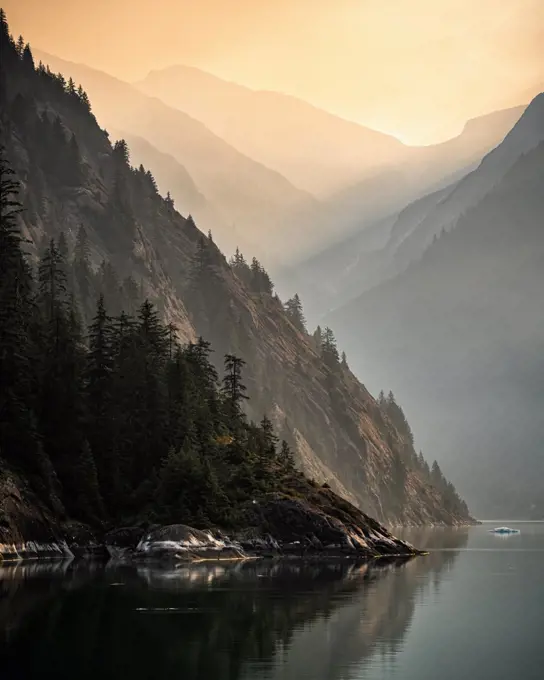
(173, 178)
(261, 203)
(258, 203)
(460, 333)
(315, 150)
(354, 170)
(420, 170)
(478, 136)
(524, 136)
(114, 234)
(385, 247)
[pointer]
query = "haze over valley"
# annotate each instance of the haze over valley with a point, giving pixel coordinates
(413, 254)
(272, 339)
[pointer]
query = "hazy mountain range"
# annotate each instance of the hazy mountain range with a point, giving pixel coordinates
(441, 243)
(375, 252)
(315, 150)
(76, 188)
(459, 333)
(239, 187)
(358, 174)
(269, 165)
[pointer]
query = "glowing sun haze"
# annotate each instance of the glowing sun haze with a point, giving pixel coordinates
(417, 69)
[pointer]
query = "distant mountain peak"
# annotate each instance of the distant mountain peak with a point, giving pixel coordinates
(317, 150)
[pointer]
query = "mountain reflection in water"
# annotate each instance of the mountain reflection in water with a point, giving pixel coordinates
(288, 620)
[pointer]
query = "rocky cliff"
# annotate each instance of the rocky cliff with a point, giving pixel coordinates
(71, 177)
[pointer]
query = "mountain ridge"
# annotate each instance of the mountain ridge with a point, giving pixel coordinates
(238, 186)
(465, 314)
(316, 149)
(341, 435)
(365, 259)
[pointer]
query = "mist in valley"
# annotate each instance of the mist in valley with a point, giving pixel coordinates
(422, 250)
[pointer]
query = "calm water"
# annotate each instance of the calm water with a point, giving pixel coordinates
(472, 609)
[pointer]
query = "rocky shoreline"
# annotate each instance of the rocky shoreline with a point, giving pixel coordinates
(178, 543)
(183, 544)
(321, 527)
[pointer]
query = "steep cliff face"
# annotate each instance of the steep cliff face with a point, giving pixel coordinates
(71, 177)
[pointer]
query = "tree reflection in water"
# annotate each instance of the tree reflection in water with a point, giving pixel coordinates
(209, 621)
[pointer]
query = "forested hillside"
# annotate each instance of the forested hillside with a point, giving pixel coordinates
(107, 407)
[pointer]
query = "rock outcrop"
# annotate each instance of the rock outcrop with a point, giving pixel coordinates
(182, 543)
(27, 529)
(321, 525)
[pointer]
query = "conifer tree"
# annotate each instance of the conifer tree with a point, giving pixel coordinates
(328, 348)
(180, 399)
(80, 93)
(28, 59)
(396, 415)
(71, 88)
(20, 47)
(146, 407)
(259, 279)
(233, 387)
(154, 336)
(4, 30)
(237, 260)
(270, 440)
(99, 388)
(318, 338)
(241, 268)
(205, 302)
(152, 183)
(120, 152)
(61, 82)
(84, 98)
(202, 261)
(52, 284)
(8, 51)
(293, 309)
(437, 478)
(286, 456)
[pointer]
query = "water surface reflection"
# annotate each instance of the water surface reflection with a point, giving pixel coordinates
(288, 620)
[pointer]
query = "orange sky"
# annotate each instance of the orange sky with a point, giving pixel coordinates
(415, 68)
